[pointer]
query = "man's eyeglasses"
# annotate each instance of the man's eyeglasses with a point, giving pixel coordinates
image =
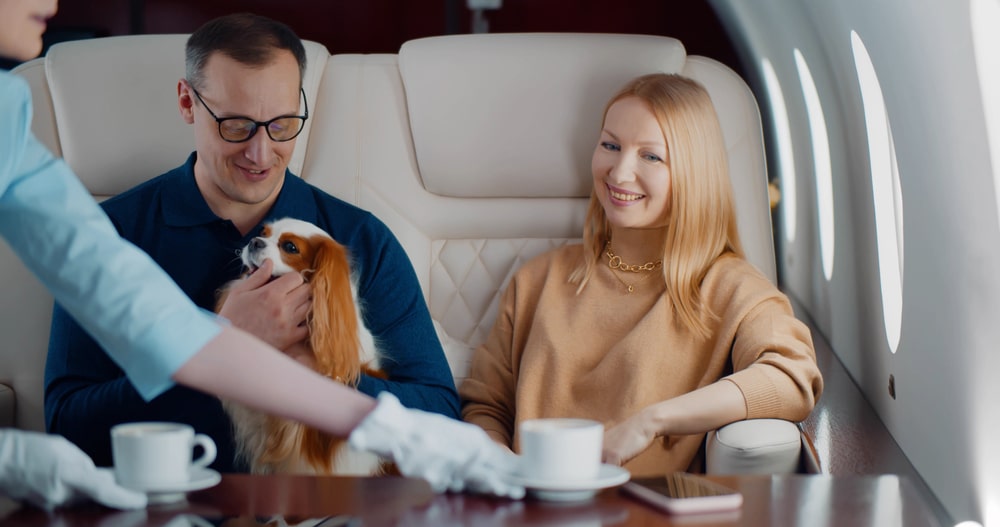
(240, 129)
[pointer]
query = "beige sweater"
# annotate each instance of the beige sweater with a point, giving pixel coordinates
(605, 354)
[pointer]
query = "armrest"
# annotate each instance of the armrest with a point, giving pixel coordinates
(754, 446)
(7, 407)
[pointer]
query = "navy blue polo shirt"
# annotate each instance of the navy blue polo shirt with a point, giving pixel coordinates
(86, 393)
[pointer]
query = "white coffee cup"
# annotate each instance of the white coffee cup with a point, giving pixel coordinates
(561, 450)
(157, 455)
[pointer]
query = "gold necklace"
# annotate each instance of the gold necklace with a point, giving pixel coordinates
(616, 264)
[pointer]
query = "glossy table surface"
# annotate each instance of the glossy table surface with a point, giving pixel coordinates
(245, 500)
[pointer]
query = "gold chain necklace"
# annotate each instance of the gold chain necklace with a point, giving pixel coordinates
(616, 264)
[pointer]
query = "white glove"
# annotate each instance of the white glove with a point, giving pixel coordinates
(449, 454)
(48, 471)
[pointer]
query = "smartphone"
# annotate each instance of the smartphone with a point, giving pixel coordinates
(683, 493)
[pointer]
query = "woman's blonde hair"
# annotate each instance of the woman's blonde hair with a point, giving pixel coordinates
(701, 223)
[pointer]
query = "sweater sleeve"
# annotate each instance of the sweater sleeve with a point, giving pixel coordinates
(774, 362)
(488, 392)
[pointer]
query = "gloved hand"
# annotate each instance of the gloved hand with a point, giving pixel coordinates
(449, 454)
(48, 471)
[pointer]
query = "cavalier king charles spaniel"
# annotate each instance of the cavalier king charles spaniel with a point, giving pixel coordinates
(340, 346)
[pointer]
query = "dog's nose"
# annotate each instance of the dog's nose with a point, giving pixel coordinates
(257, 244)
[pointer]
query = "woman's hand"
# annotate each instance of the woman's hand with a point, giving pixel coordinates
(449, 454)
(628, 439)
(697, 412)
(49, 471)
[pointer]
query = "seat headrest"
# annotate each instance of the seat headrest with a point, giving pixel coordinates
(525, 107)
(115, 106)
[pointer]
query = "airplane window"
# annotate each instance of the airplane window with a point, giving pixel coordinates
(786, 158)
(986, 40)
(886, 191)
(821, 163)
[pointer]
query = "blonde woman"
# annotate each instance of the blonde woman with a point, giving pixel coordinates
(656, 325)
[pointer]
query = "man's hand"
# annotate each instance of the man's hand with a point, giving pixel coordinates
(273, 311)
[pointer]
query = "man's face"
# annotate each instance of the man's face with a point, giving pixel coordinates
(241, 178)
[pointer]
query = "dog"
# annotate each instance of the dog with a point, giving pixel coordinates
(340, 345)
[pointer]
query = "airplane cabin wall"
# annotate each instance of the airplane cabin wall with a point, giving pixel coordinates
(946, 363)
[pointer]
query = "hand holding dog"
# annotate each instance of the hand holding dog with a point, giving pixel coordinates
(273, 311)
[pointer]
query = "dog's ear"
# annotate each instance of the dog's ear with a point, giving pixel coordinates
(333, 322)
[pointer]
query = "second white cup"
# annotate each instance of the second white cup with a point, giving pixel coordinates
(157, 455)
(561, 450)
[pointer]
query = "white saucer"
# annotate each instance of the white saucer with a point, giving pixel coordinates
(607, 476)
(201, 478)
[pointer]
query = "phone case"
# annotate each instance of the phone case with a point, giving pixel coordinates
(682, 493)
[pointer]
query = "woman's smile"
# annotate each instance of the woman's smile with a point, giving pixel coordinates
(623, 197)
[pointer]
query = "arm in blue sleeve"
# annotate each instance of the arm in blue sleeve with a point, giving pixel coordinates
(117, 293)
(418, 374)
(86, 394)
(409, 349)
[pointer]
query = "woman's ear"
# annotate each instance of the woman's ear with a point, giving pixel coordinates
(333, 324)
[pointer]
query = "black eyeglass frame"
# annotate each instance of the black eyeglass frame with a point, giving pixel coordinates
(257, 125)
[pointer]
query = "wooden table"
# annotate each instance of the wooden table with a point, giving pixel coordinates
(244, 500)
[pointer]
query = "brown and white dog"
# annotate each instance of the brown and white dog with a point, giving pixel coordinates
(341, 347)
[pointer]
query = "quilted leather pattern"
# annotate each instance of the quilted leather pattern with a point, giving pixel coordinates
(469, 276)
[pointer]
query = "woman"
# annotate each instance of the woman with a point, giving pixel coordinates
(656, 325)
(158, 336)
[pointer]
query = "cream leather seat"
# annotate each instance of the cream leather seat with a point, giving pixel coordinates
(473, 149)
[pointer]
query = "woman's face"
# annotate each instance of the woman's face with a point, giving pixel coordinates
(631, 176)
(22, 23)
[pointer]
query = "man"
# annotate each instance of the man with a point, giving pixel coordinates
(242, 95)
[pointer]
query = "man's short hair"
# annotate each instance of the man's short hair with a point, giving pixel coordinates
(244, 37)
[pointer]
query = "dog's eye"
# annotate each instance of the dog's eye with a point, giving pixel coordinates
(290, 248)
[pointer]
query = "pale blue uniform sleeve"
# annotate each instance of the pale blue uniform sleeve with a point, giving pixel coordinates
(118, 294)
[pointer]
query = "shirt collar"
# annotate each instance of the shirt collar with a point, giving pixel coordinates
(184, 206)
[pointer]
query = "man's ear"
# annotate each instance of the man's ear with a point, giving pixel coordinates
(185, 101)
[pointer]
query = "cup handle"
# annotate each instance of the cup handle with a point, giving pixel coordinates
(208, 446)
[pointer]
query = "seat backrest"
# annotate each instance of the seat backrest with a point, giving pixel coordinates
(475, 150)
(109, 107)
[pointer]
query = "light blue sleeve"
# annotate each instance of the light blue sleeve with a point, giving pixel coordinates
(118, 294)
